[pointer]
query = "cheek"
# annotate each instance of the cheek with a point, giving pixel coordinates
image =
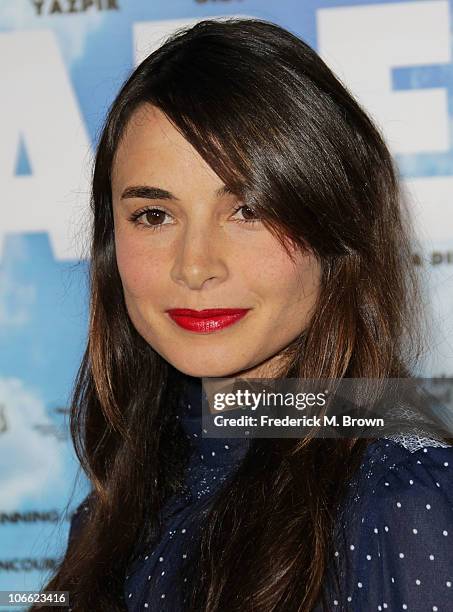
(140, 271)
(283, 281)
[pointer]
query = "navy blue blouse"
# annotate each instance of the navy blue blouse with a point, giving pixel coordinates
(394, 540)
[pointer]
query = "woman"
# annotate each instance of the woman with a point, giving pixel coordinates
(235, 171)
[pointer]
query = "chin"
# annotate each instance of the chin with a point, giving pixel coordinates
(206, 371)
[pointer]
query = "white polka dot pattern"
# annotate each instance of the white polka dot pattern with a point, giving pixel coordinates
(394, 548)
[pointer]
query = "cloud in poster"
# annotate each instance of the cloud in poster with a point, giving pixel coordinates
(32, 463)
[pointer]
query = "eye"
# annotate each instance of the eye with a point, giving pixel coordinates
(153, 217)
(249, 215)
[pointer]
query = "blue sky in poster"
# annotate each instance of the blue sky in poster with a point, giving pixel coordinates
(300, 17)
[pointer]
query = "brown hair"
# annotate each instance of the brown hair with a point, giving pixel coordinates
(274, 123)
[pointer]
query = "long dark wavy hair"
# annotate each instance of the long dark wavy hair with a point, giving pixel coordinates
(270, 118)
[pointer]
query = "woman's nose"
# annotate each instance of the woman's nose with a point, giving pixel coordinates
(200, 258)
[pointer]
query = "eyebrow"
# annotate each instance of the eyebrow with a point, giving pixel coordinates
(156, 193)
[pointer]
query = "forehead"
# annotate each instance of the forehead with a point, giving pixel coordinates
(151, 147)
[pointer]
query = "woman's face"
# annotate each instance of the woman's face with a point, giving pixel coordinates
(195, 249)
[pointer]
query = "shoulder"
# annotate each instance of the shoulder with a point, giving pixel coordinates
(396, 538)
(404, 462)
(412, 483)
(403, 473)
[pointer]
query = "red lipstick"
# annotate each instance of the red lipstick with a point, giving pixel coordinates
(208, 320)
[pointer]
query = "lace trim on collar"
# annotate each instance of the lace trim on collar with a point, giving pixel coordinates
(414, 441)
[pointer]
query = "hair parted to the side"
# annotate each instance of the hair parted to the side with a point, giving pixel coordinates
(270, 118)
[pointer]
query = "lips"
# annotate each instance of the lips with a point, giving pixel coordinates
(208, 320)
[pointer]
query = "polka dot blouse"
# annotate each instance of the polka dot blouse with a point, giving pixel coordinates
(394, 535)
